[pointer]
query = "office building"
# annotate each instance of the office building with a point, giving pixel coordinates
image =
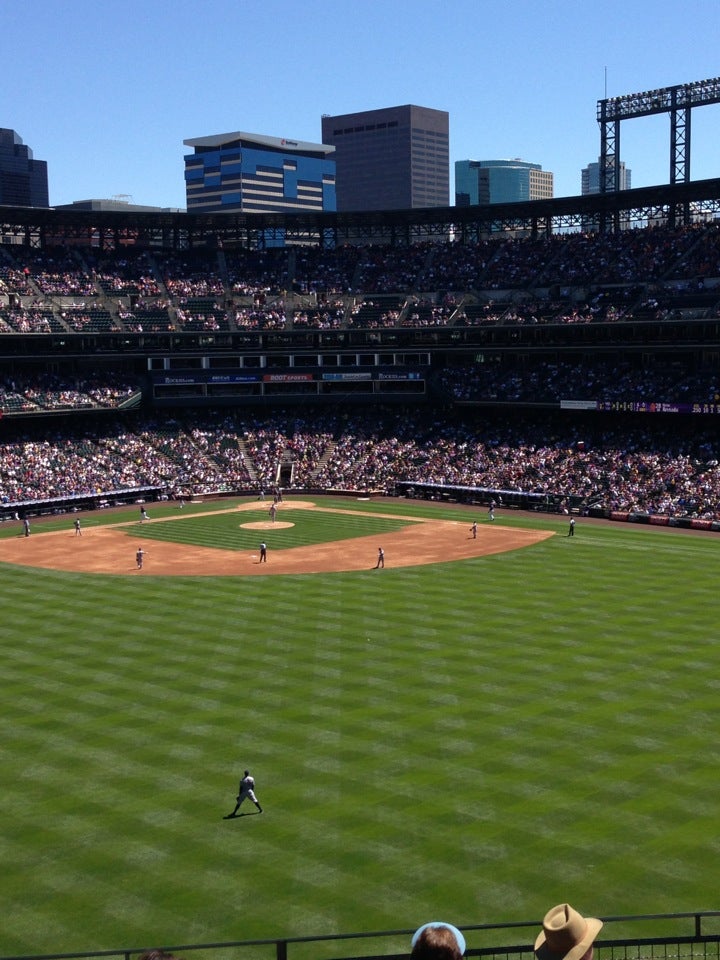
(395, 158)
(23, 180)
(500, 181)
(590, 178)
(251, 173)
(117, 204)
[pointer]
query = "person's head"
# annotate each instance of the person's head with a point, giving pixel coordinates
(247, 773)
(437, 941)
(566, 935)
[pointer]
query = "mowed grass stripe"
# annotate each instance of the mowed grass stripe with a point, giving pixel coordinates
(519, 729)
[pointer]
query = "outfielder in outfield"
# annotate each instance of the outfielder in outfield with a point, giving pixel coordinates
(245, 791)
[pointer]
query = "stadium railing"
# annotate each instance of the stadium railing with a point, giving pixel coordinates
(673, 936)
(12, 509)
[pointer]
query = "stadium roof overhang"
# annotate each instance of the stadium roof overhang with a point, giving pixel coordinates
(42, 226)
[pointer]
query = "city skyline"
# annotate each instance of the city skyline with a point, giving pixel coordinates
(107, 93)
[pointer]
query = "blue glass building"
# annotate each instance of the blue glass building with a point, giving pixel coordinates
(500, 181)
(257, 174)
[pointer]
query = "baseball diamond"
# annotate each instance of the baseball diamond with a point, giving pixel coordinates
(106, 550)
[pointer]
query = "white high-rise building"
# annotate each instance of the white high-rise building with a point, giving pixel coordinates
(590, 178)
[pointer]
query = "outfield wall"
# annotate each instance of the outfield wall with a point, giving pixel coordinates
(443, 493)
(76, 503)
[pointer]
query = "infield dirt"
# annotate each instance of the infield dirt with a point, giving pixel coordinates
(111, 549)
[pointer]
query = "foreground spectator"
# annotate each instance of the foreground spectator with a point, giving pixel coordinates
(437, 941)
(566, 935)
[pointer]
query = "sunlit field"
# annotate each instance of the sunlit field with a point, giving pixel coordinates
(474, 740)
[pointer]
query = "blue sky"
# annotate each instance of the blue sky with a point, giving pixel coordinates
(106, 91)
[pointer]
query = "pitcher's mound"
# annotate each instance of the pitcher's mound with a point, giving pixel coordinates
(267, 525)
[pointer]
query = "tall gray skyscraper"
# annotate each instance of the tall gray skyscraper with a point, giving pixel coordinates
(395, 158)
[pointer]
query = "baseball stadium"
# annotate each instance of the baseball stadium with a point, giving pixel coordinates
(412, 516)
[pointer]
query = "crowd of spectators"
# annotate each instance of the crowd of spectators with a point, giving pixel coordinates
(44, 392)
(570, 279)
(261, 317)
(324, 315)
(423, 312)
(561, 278)
(58, 272)
(153, 316)
(372, 315)
(298, 442)
(14, 280)
(323, 273)
(200, 315)
(600, 379)
(128, 274)
(220, 444)
(191, 276)
(31, 319)
(256, 273)
(624, 468)
(639, 465)
(82, 317)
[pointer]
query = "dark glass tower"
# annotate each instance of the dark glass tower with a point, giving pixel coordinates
(395, 158)
(23, 180)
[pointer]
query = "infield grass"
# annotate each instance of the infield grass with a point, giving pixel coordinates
(474, 741)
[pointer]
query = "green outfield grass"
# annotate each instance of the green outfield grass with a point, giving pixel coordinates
(474, 741)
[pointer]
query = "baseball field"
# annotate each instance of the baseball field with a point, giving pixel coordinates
(486, 727)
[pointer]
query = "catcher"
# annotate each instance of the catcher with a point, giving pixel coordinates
(246, 789)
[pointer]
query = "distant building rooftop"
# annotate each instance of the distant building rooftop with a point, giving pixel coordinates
(221, 141)
(115, 204)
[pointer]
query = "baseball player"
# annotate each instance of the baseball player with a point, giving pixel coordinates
(246, 790)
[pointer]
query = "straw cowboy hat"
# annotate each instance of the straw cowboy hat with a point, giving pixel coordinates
(566, 934)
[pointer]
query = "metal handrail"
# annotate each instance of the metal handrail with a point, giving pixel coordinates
(281, 945)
